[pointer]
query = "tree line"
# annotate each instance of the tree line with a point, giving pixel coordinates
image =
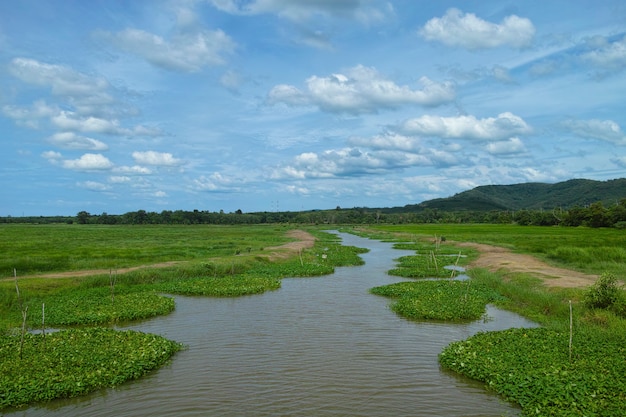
(593, 215)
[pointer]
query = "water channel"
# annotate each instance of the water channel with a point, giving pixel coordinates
(316, 347)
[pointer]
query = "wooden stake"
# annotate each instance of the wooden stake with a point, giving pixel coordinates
(43, 320)
(571, 330)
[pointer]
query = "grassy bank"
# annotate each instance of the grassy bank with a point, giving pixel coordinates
(34, 367)
(539, 369)
(584, 249)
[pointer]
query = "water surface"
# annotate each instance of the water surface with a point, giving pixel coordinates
(316, 347)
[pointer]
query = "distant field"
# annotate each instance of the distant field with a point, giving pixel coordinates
(33, 249)
(590, 250)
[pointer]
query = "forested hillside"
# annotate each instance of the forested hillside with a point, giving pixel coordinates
(529, 196)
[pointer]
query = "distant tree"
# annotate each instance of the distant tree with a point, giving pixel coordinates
(83, 217)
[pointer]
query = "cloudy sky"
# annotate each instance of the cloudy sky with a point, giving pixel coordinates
(264, 105)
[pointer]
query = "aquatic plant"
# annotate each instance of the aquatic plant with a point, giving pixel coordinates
(93, 306)
(531, 367)
(74, 362)
(438, 300)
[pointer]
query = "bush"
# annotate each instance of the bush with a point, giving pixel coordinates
(604, 293)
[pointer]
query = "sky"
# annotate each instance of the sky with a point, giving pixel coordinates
(112, 106)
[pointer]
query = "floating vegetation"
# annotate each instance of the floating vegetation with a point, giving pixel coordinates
(438, 300)
(532, 368)
(74, 362)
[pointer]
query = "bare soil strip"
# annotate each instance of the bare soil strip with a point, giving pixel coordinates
(498, 259)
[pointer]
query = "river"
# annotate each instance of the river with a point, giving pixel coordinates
(316, 347)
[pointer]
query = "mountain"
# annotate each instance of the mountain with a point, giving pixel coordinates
(529, 196)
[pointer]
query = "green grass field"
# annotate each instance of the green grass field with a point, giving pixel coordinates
(32, 249)
(584, 249)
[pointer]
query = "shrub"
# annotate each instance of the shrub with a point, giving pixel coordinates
(604, 293)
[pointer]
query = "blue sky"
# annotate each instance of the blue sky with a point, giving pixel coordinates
(263, 105)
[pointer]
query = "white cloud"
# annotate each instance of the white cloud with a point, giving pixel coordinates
(606, 130)
(387, 141)
(185, 51)
(289, 95)
(507, 147)
(94, 186)
(349, 162)
(30, 116)
(607, 55)
(504, 126)
(88, 162)
(67, 120)
(62, 80)
(135, 169)
(70, 140)
(52, 156)
(469, 31)
(215, 182)
(118, 179)
(361, 90)
(156, 158)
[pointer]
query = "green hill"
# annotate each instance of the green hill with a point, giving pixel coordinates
(529, 196)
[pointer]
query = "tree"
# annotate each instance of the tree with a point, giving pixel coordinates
(83, 217)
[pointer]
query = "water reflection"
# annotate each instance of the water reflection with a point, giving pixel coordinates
(316, 347)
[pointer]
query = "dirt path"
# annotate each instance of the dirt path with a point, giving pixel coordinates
(305, 240)
(495, 258)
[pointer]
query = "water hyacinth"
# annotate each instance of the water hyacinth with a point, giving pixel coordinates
(74, 362)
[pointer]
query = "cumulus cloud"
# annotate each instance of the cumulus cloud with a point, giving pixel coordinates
(88, 162)
(506, 147)
(361, 90)
(467, 30)
(215, 182)
(187, 52)
(348, 162)
(504, 126)
(156, 158)
(70, 140)
(606, 130)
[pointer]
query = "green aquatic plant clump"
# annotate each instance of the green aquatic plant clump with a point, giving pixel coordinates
(532, 367)
(438, 300)
(97, 306)
(228, 286)
(74, 362)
